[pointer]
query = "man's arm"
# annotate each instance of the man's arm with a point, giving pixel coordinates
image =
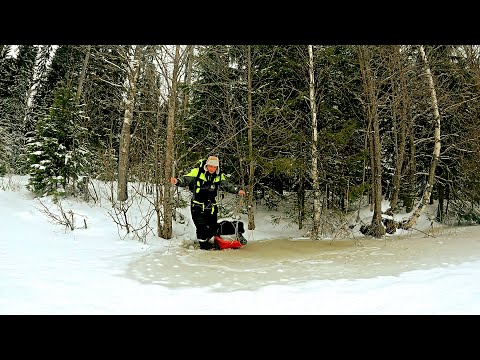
(231, 188)
(183, 181)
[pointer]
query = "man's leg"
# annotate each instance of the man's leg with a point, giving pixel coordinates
(201, 221)
(212, 226)
(212, 222)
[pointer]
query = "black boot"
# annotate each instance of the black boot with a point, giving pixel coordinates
(242, 239)
(207, 245)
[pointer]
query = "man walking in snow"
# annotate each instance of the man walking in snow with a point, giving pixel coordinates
(204, 182)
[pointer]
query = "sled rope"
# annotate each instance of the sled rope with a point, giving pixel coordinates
(236, 210)
(236, 216)
(236, 213)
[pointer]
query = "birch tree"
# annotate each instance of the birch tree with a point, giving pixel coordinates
(436, 148)
(316, 190)
(251, 173)
(125, 136)
(168, 203)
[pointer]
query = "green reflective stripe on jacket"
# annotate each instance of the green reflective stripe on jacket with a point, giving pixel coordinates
(199, 203)
(203, 189)
(203, 205)
(194, 173)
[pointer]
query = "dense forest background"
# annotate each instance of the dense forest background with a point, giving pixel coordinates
(314, 130)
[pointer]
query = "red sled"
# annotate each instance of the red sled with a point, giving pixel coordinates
(226, 243)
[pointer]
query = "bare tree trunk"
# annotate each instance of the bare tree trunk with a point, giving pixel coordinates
(301, 200)
(400, 113)
(369, 112)
(251, 174)
(159, 194)
(410, 182)
(124, 153)
(436, 148)
(84, 70)
(182, 115)
(441, 200)
(364, 173)
(377, 225)
(188, 77)
(376, 228)
(371, 151)
(316, 190)
(167, 205)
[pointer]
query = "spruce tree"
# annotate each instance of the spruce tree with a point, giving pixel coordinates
(57, 157)
(7, 73)
(21, 92)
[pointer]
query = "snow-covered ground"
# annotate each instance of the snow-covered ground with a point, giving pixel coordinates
(45, 268)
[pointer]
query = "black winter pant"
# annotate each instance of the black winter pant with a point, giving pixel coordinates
(206, 224)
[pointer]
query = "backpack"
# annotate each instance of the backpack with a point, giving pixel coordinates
(226, 227)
